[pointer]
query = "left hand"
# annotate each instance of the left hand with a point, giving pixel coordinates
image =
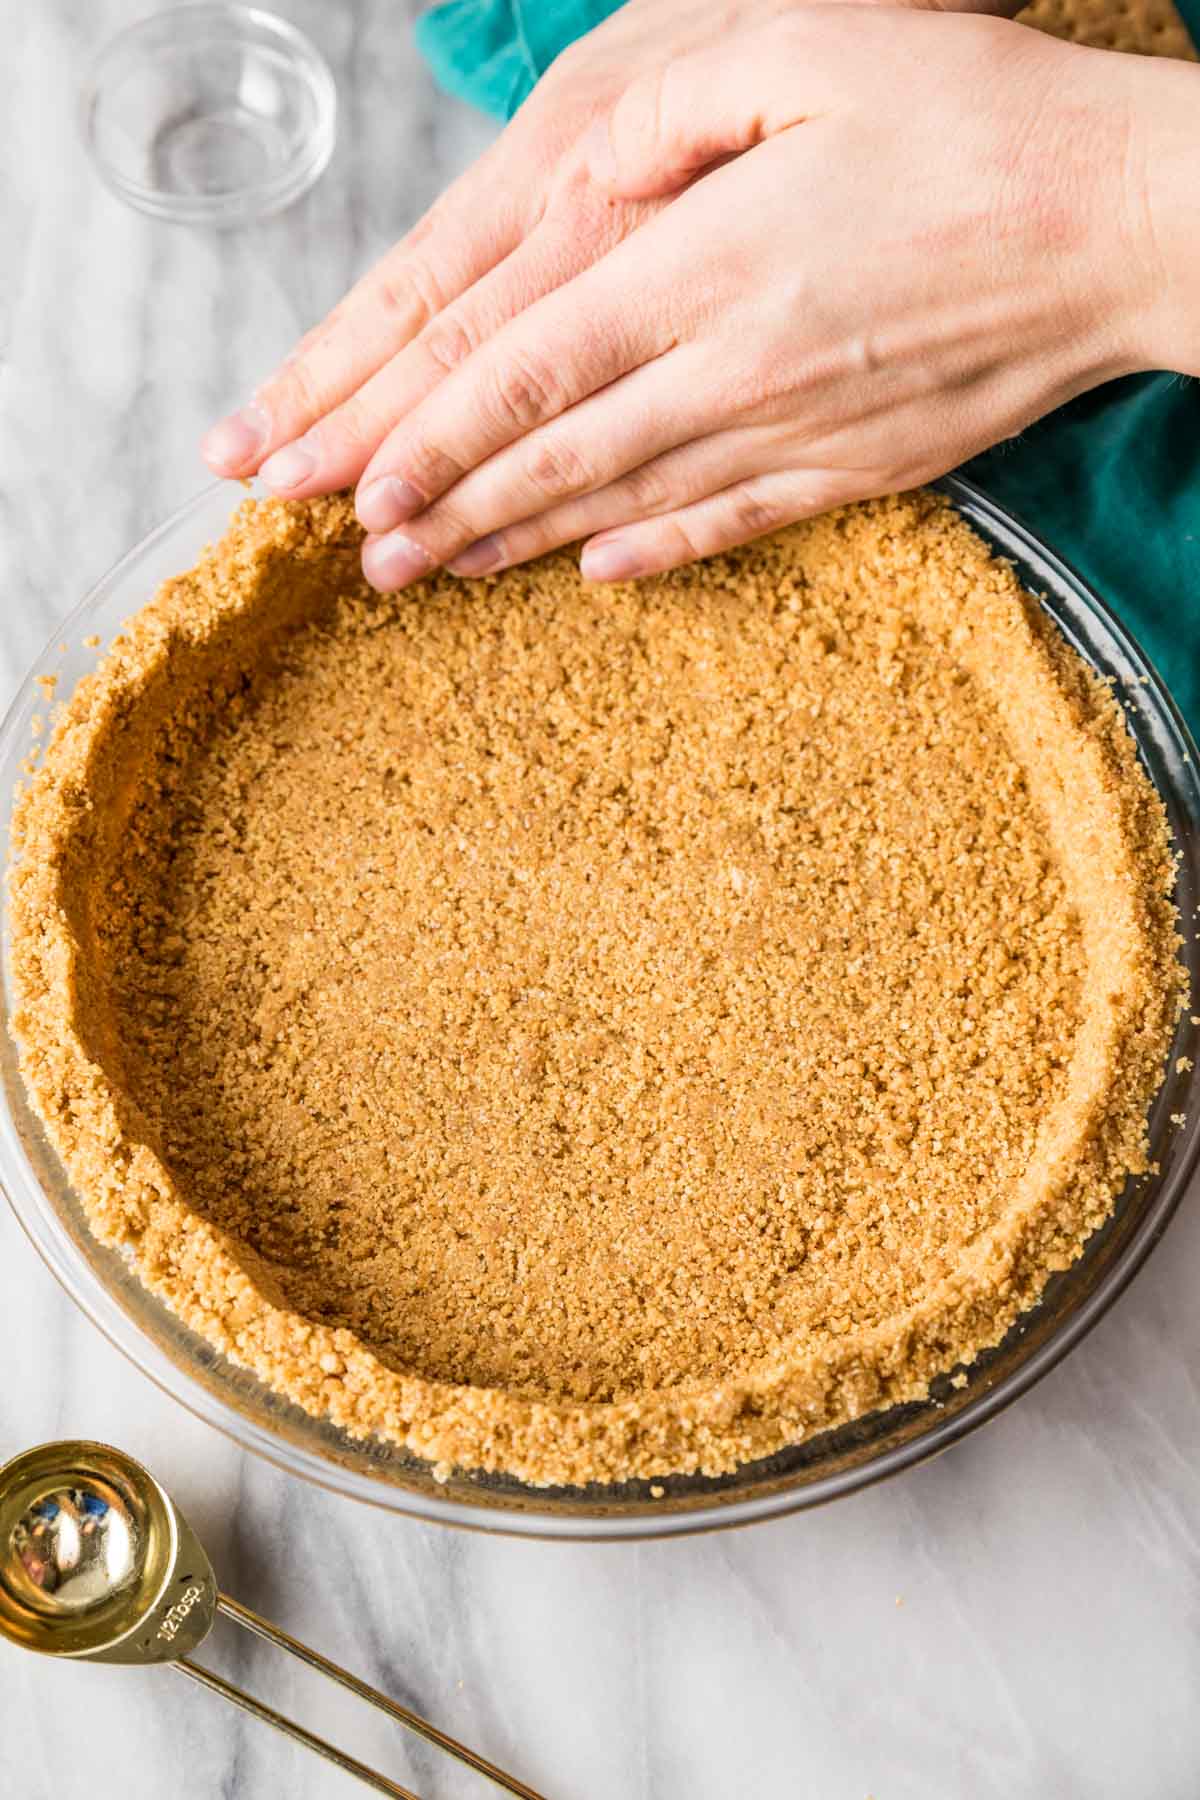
(916, 234)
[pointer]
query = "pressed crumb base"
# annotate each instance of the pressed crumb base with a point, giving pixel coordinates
(596, 1033)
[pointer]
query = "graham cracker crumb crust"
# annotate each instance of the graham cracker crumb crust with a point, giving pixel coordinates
(593, 1033)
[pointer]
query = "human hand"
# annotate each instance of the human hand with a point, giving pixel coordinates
(526, 218)
(932, 231)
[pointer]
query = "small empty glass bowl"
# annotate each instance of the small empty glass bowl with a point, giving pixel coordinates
(210, 114)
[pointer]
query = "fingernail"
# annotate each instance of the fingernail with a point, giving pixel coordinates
(392, 562)
(484, 554)
(385, 503)
(236, 440)
(289, 466)
(609, 559)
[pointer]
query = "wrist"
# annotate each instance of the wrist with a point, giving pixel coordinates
(1167, 130)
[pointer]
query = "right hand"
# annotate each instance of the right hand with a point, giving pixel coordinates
(526, 218)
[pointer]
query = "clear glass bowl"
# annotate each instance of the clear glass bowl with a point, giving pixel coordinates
(209, 114)
(835, 1463)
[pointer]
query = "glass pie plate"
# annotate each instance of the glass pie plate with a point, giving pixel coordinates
(825, 1467)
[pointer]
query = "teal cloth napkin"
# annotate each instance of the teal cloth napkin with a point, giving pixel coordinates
(1112, 481)
(491, 52)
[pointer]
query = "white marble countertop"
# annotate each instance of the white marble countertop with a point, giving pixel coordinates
(1017, 1621)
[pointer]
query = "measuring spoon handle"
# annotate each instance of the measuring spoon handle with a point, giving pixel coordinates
(259, 1710)
(233, 1609)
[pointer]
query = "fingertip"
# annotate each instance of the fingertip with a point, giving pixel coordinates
(610, 559)
(234, 445)
(393, 561)
(290, 467)
(386, 502)
(483, 557)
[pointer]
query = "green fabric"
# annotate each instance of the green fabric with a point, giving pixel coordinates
(491, 52)
(1112, 481)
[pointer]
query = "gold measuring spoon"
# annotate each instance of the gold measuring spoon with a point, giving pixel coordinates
(98, 1563)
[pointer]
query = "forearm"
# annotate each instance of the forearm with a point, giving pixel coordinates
(1169, 126)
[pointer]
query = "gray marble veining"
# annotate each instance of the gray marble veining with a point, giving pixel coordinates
(1017, 1621)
